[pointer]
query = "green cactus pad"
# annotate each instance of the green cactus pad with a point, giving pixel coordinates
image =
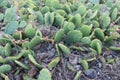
(49, 18)
(59, 35)
(99, 48)
(105, 21)
(85, 65)
(68, 26)
(17, 35)
(45, 74)
(81, 10)
(96, 44)
(40, 17)
(35, 40)
(64, 49)
(114, 14)
(61, 12)
(73, 36)
(77, 19)
(53, 63)
(29, 31)
(95, 23)
(45, 9)
(67, 8)
(21, 64)
(85, 29)
(59, 20)
(26, 52)
(77, 76)
(86, 40)
(5, 68)
(99, 34)
(8, 49)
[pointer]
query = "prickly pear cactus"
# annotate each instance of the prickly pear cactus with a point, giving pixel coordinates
(54, 39)
(61, 12)
(64, 49)
(49, 18)
(59, 35)
(85, 29)
(73, 36)
(86, 40)
(68, 26)
(105, 21)
(17, 35)
(59, 20)
(96, 45)
(114, 14)
(53, 63)
(45, 74)
(29, 31)
(99, 34)
(5, 68)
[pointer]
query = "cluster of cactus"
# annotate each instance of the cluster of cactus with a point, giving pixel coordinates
(79, 23)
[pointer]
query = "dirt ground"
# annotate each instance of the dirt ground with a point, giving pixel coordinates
(45, 52)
